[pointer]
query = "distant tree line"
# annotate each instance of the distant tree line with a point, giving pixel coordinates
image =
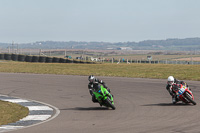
(186, 44)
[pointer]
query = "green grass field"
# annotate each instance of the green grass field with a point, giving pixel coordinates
(11, 112)
(157, 71)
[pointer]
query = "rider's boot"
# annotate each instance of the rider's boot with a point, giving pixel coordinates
(174, 100)
(100, 104)
(94, 99)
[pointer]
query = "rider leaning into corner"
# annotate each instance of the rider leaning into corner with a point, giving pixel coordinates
(171, 82)
(93, 85)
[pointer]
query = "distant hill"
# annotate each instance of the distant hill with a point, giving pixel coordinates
(187, 44)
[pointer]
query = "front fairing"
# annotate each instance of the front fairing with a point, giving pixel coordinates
(102, 93)
(180, 93)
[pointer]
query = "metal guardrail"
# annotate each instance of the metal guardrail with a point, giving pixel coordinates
(154, 62)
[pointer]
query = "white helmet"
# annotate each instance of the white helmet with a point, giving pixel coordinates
(170, 80)
(91, 78)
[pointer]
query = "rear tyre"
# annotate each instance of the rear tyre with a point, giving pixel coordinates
(188, 96)
(109, 103)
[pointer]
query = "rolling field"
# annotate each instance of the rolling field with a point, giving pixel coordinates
(156, 71)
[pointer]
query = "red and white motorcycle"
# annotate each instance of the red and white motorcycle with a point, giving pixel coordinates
(183, 93)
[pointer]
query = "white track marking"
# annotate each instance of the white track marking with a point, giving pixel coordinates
(42, 118)
(36, 117)
(31, 108)
(10, 127)
(15, 100)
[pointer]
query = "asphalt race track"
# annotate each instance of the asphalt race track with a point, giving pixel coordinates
(142, 105)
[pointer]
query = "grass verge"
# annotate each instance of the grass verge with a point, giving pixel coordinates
(11, 112)
(157, 71)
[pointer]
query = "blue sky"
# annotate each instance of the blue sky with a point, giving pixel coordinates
(98, 20)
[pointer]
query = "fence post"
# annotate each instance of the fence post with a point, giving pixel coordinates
(192, 60)
(118, 62)
(40, 51)
(9, 49)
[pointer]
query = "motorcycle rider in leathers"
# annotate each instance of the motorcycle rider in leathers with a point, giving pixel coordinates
(94, 84)
(171, 83)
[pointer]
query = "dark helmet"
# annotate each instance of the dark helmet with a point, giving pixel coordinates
(91, 78)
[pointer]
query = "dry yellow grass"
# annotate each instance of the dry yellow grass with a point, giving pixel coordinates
(159, 71)
(189, 59)
(11, 112)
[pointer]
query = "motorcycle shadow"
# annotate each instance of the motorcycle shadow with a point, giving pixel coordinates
(168, 104)
(87, 108)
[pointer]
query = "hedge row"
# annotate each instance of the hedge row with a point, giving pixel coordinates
(41, 59)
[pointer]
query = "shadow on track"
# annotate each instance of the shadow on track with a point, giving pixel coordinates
(87, 108)
(168, 104)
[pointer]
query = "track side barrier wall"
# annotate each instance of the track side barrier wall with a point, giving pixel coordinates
(40, 59)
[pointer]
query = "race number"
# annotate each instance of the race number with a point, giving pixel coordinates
(181, 91)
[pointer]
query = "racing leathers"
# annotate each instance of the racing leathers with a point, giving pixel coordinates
(92, 86)
(171, 87)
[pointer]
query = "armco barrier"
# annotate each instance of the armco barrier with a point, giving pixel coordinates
(69, 61)
(49, 60)
(1, 56)
(42, 59)
(55, 60)
(21, 57)
(14, 57)
(35, 58)
(7, 56)
(76, 61)
(28, 58)
(62, 60)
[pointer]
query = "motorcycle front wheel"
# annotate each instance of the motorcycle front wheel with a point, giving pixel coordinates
(109, 103)
(188, 96)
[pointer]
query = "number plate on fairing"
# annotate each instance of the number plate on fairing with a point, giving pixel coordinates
(181, 91)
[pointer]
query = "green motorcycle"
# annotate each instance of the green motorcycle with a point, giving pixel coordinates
(104, 97)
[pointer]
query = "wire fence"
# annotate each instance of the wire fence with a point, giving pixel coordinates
(12, 52)
(166, 61)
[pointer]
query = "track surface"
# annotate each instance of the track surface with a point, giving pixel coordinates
(142, 105)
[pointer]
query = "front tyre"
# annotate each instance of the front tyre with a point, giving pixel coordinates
(188, 96)
(109, 103)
